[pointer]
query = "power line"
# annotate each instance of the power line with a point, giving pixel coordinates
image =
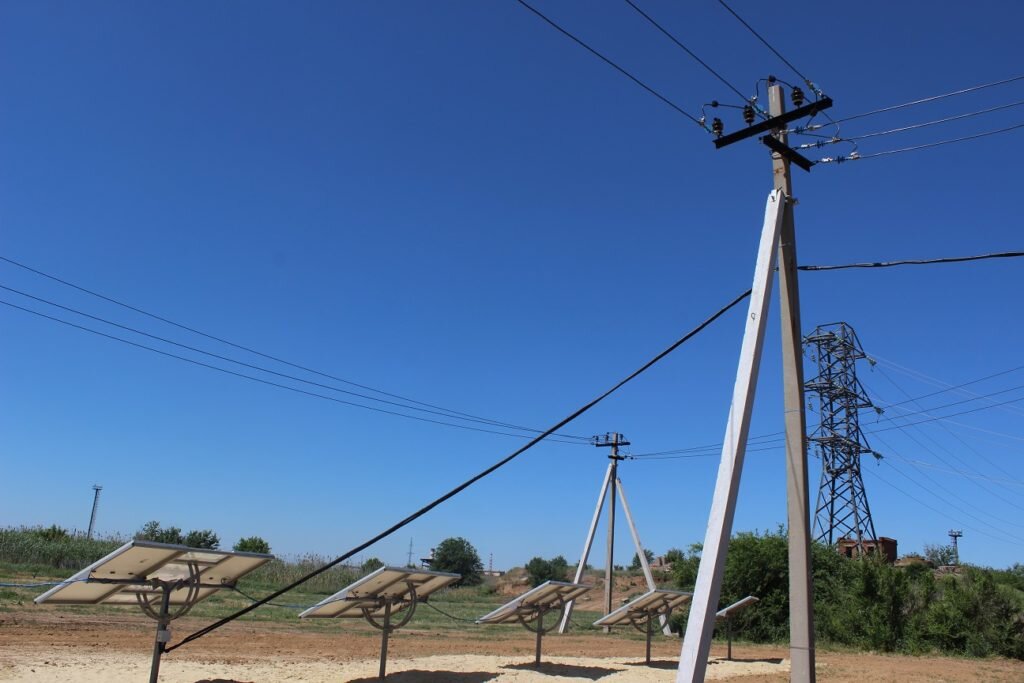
(916, 262)
(930, 99)
(612, 64)
(951, 387)
(836, 139)
(259, 368)
(242, 375)
(469, 482)
(859, 157)
(454, 413)
(778, 54)
(743, 98)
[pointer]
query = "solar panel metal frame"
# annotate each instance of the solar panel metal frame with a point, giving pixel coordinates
(658, 597)
(373, 590)
(544, 596)
(117, 578)
(737, 606)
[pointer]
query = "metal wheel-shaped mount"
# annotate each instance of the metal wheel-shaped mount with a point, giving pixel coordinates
(406, 607)
(150, 605)
(642, 625)
(533, 623)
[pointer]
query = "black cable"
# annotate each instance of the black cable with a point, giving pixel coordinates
(933, 418)
(469, 482)
(441, 611)
(917, 262)
(261, 368)
(778, 54)
(253, 351)
(612, 64)
(264, 381)
(743, 98)
(931, 99)
(859, 157)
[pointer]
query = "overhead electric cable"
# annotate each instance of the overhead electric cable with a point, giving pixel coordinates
(260, 368)
(917, 262)
(264, 381)
(860, 157)
(778, 54)
(836, 138)
(612, 64)
(645, 15)
(276, 359)
(943, 512)
(469, 482)
(930, 99)
(949, 388)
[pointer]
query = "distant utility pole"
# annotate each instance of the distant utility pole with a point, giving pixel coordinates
(613, 439)
(96, 488)
(954, 534)
(777, 247)
(408, 561)
(610, 486)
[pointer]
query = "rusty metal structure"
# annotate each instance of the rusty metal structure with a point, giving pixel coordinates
(841, 511)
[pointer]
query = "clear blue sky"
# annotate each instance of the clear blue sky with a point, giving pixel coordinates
(453, 202)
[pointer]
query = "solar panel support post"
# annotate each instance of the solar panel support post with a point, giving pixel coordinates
(650, 632)
(728, 637)
(385, 632)
(567, 614)
(163, 632)
(801, 617)
(693, 659)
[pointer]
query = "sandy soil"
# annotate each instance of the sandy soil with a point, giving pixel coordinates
(58, 646)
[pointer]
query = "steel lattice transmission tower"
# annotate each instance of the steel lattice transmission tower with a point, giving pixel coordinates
(842, 508)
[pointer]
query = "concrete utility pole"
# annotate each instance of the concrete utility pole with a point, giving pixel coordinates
(96, 488)
(954, 534)
(777, 245)
(614, 440)
(801, 614)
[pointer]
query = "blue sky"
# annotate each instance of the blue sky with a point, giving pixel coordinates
(453, 202)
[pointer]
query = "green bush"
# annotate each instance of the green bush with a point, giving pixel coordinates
(252, 544)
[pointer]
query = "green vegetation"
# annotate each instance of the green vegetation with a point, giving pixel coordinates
(870, 604)
(635, 564)
(52, 547)
(251, 544)
(458, 555)
(540, 570)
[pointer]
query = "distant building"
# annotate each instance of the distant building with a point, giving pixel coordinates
(882, 544)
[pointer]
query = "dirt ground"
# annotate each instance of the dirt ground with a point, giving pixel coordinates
(60, 646)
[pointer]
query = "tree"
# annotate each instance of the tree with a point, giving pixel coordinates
(204, 538)
(372, 564)
(458, 555)
(636, 559)
(152, 531)
(540, 570)
(939, 555)
(252, 544)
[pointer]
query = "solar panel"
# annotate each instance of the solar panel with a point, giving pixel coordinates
(726, 613)
(530, 607)
(642, 612)
(130, 570)
(653, 603)
(163, 579)
(737, 606)
(387, 584)
(379, 595)
(547, 596)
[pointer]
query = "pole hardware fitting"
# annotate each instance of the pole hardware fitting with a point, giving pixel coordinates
(773, 122)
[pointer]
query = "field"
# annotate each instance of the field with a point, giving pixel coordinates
(93, 644)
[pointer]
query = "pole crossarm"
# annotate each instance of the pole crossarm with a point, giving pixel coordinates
(773, 122)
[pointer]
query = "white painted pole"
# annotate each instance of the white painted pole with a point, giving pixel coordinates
(693, 659)
(564, 625)
(644, 564)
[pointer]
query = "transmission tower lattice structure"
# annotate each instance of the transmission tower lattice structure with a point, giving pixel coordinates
(842, 509)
